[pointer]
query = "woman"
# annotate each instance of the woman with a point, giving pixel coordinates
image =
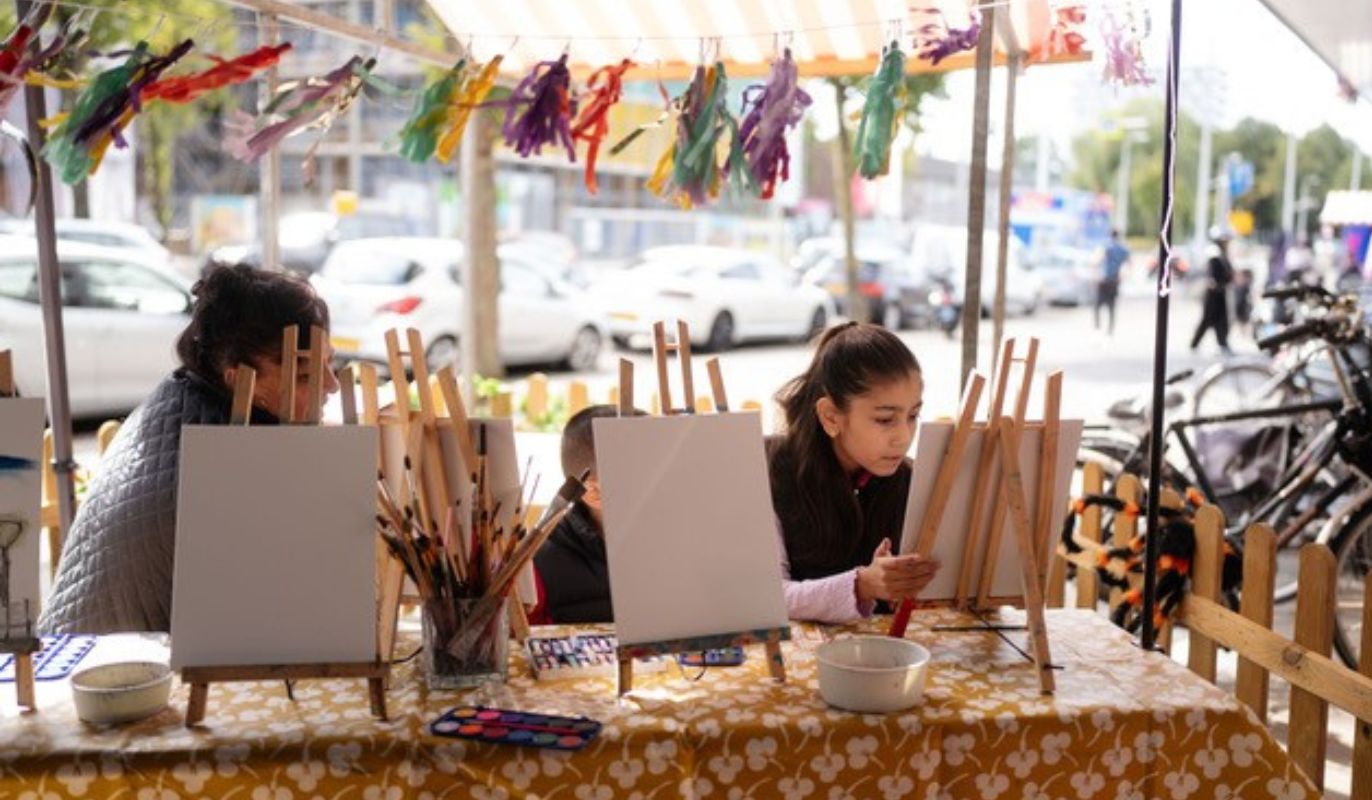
(840, 477)
(115, 572)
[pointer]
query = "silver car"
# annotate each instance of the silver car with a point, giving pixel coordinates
(122, 312)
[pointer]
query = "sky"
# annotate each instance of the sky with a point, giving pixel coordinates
(1263, 71)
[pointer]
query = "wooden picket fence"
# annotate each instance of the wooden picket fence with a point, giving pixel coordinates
(1316, 679)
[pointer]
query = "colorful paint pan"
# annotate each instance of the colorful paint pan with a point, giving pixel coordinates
(502, 726)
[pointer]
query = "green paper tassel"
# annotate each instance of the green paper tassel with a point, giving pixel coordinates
(878, 127)
(419, 137)
(72, 160)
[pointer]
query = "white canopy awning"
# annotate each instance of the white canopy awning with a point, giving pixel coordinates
(1347, 208)
(1339, 31)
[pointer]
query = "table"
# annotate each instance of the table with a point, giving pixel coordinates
(1123, 725)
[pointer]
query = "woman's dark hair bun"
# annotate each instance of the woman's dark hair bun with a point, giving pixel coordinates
(237, 316)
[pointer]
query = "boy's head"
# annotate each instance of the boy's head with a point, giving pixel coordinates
(578, 449)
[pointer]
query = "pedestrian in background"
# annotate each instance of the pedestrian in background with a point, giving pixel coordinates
(1112, 262)
(1215, 301)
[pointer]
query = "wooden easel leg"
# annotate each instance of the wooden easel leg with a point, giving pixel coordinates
(195, 706)
(775, 664)
(23, 680)
(626, 675)
(1032, 579)
(519, 620)
(376, 689)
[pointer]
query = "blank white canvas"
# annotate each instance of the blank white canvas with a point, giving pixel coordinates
(689, 528)
(21, 494)
(275, 550)
(930, 444)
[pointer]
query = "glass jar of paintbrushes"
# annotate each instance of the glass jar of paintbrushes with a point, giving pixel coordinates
(464, 574)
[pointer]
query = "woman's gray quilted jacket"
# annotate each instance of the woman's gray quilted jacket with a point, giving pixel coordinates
(116, 568)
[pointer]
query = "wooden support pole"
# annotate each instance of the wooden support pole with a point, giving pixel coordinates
(1259, 585)
(1126, 526)
(717, 385)
(1206, 569)
(976, 202)
(1315, 608)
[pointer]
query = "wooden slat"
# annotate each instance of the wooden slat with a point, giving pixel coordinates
(1088, 582)
(371, 400)
(664, 386)
(105, 435)
(244, 384)
(578, 397)
(717, 385)
(6, 374)
(987, 480)
(290, 369)
(1259, 584)
(536, 397)
(704, 405)
(1206, 569)
(396, 363)
(1315, 606)
(626, 388)
(1031, 576)
(1286, 660)
(314, 386)
(1362, 732)
(1126, 526)
(25, 695)
(1170, 499)
(1050, 496)
(452, 398)
(683, 354)
(420, 367)
(347, 394)
(988, 562)
(502, 405)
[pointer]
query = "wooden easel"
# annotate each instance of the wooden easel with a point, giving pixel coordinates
(21, 647)
(375, 672)
(770, 638)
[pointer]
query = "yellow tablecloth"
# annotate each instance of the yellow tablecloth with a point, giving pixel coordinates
(1122, 726)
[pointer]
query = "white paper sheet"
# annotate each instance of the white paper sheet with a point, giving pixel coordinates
(21, 496)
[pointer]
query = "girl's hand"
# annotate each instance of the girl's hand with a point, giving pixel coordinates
(894, 578)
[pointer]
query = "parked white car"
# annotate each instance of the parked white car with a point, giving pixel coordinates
(726, 296)
(121, 235)
(373, 285)
(122, 312)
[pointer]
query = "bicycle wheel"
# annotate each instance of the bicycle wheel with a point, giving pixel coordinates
(1352, 547)
(1236, 387)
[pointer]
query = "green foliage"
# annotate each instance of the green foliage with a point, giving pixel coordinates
(552, 420)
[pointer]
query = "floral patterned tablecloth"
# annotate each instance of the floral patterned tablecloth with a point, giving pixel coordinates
(1122, 726)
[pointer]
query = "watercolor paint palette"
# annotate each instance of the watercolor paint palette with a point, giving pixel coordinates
(502, 726)
(57, 659)
(584, 656)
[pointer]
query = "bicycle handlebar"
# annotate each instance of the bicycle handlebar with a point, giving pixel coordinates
(1288, 292)
(1290, 334)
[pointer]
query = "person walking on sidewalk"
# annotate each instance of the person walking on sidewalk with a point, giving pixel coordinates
(1215, 301)
(1108, 288)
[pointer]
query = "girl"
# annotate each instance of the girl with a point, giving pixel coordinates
(115, 573)
(840, 476)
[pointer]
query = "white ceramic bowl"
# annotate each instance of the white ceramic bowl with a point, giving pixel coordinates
(872, 674)
(121, 692)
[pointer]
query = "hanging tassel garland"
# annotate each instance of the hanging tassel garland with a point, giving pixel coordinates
(184, 89)
(935, 40)
(466, 99)
(877, 129)
(540, 110)
(1064, 38)
(297, 106)
(593, 124)
(1124, 64)
(419, 137)
(769, 110)
(704, 118)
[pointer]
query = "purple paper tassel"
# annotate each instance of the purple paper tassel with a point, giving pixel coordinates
(769, 109)
(936, 40)
(540, 110)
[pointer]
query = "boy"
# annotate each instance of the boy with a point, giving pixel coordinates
(570, 569)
